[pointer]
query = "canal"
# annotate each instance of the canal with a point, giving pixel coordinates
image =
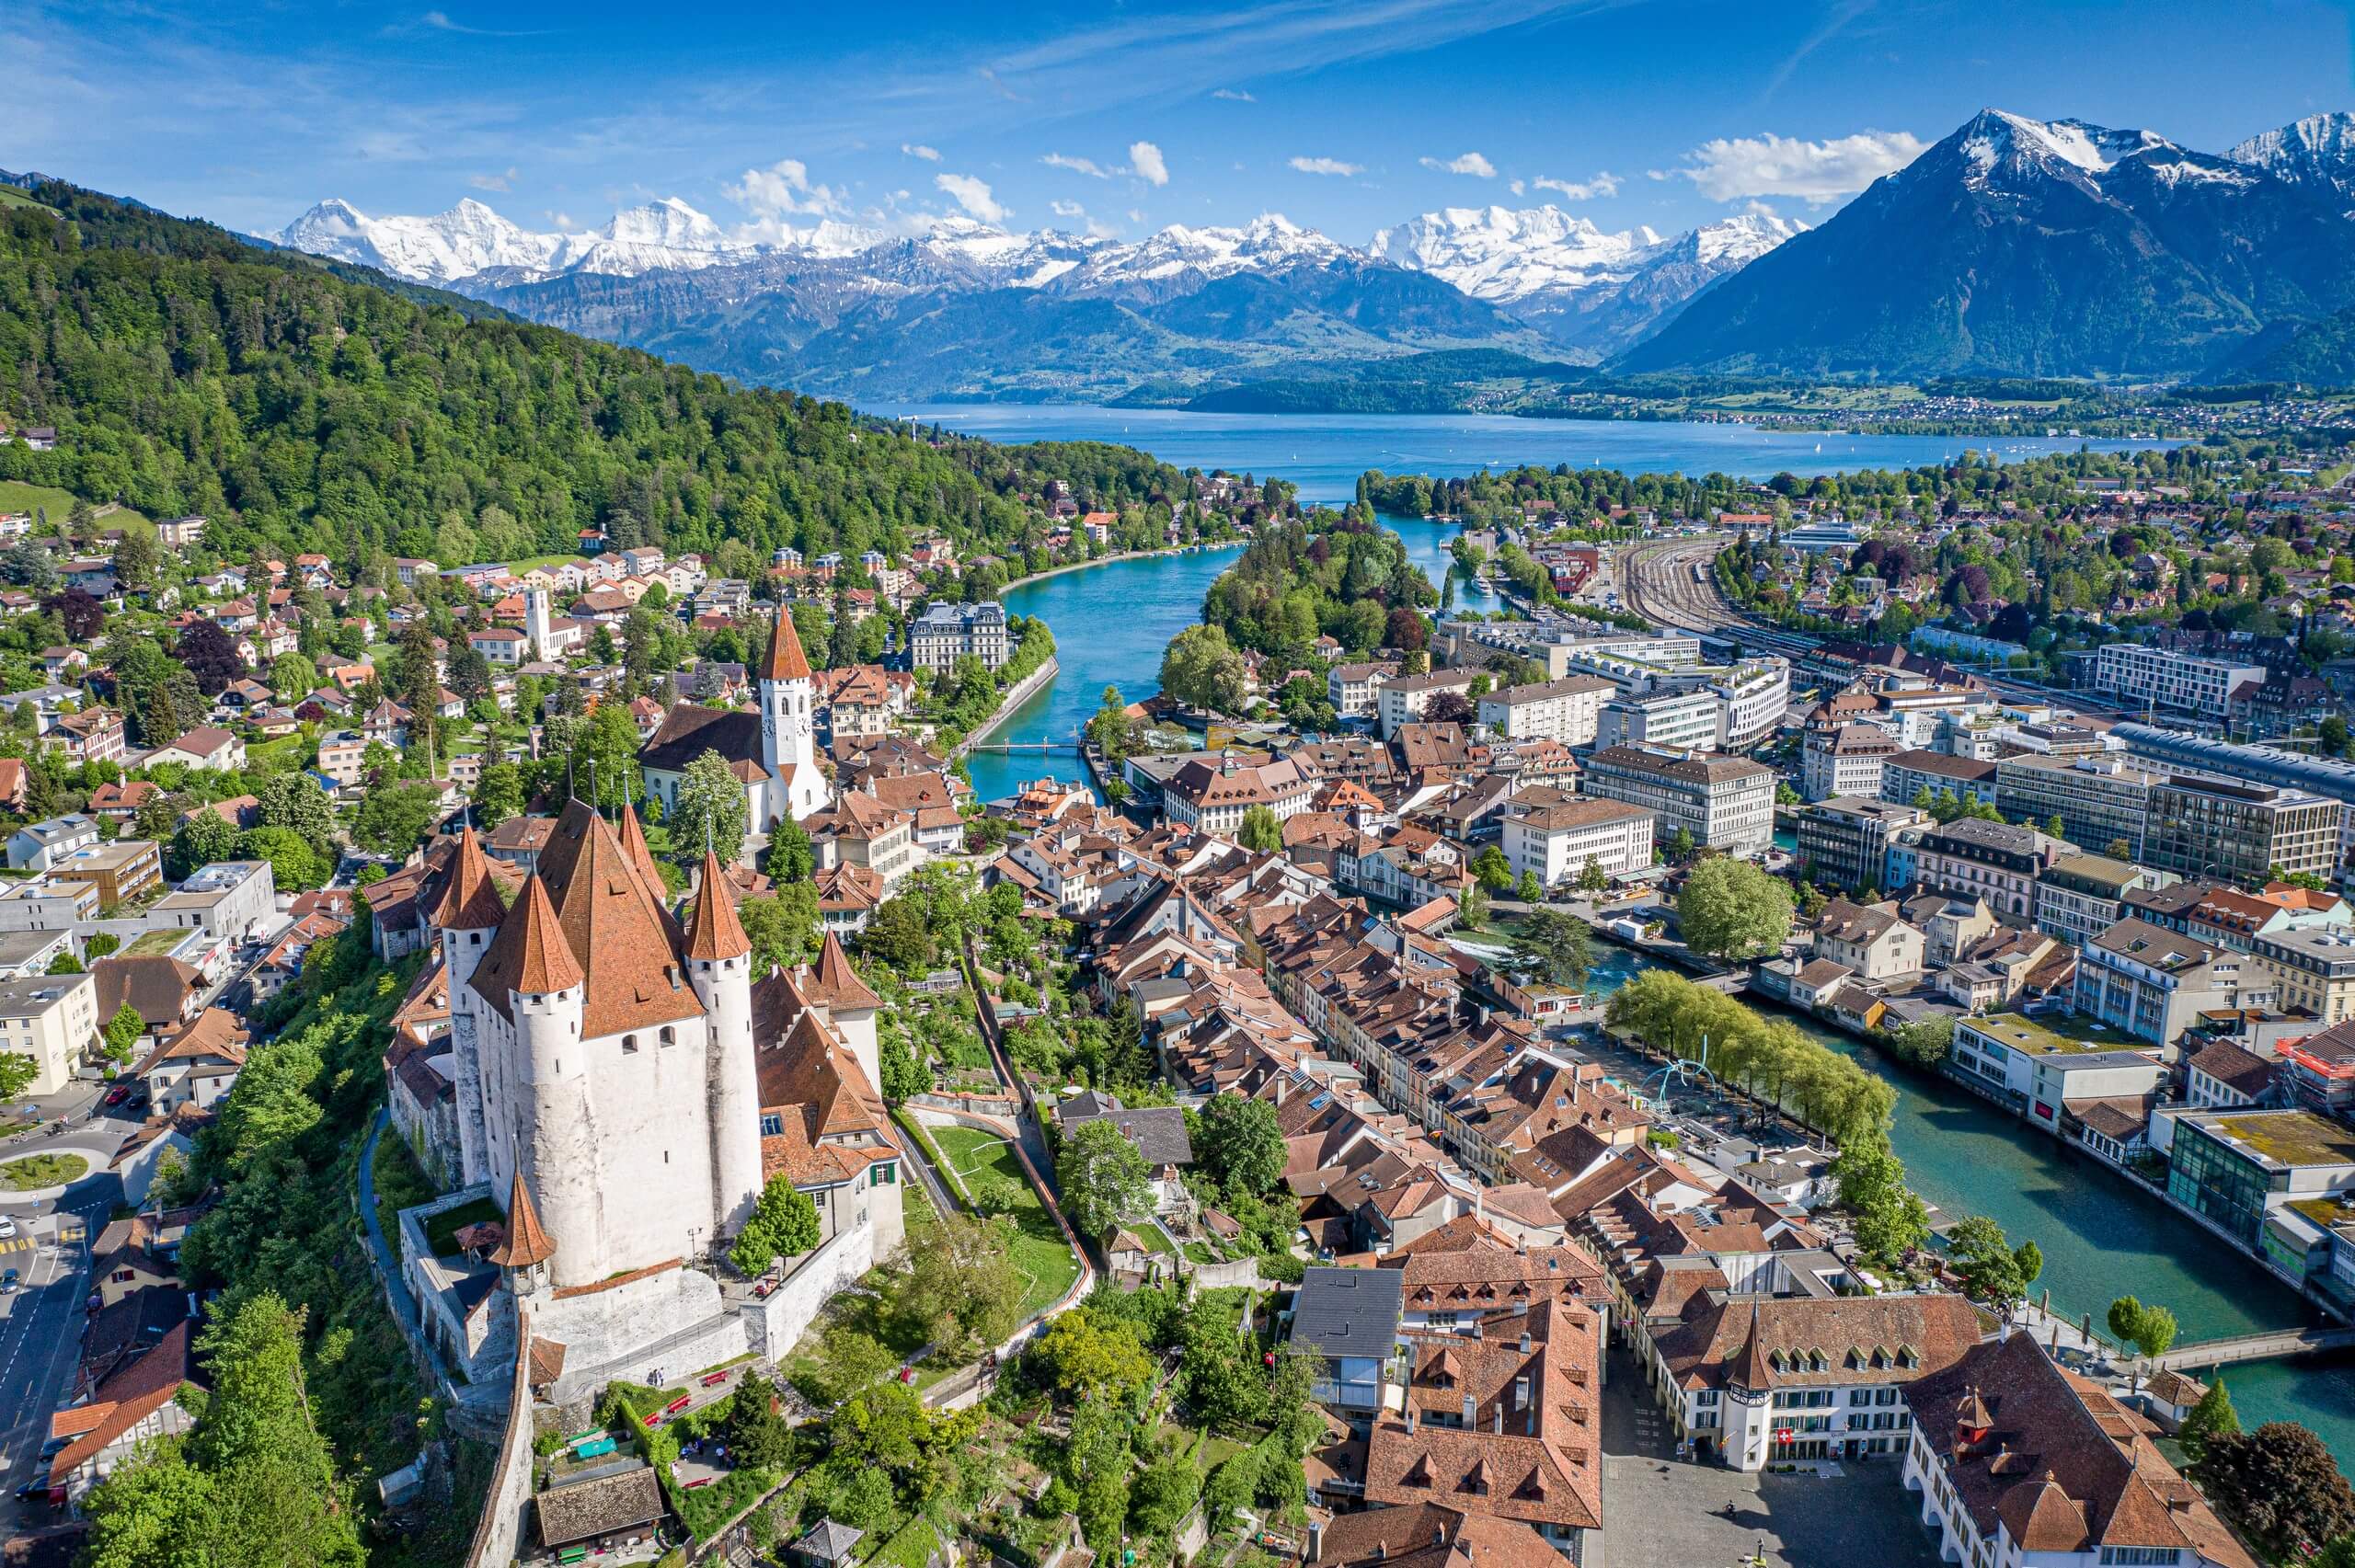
(2102, 1236)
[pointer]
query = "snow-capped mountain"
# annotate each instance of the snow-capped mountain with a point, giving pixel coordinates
(2031, 248)
(2318, 152)
(470, 240)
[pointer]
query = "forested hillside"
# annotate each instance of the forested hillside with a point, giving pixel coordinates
(304, 406)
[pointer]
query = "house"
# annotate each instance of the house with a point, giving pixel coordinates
(1349, 1319)
(203, 749)
(196, 1065)
(131, 1407)
(164, 992)
(39, 846)
(1872, 940)
(1156, 1132)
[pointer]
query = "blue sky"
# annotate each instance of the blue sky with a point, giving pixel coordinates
(1345, 115)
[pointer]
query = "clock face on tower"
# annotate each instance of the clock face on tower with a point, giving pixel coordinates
(768, 722)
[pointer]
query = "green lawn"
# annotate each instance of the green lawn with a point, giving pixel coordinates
(985, 1166)
(528, 561)
(16, 496)
(12, 197)
(37, 1171)
(442, 1230)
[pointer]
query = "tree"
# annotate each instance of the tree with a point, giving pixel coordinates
(395, 815)
(1262, 831)
(2280, 1485)
(1108, 730)
(962, 1287)
(1087, 1354)
(1202, 669)
(200, 840)
(2212, 1418)
(790, 858)
(1558, 945)
(1681, 846)
(1527, 889)
(65, 963)
(293, 677)
(783, 1224)
(1491, 869)
(1923, 1043)
(124, 1032)
(1101, 1178)
(210, 655)
(79, 612)
(498, 795)
(271, 1471)
(1988, 1266)
(783, 928)
(2149, 1329)
(1592, 878)
(1448, 707)
(1890, 1220)
(1241, 1143)
(757, 1430)
(1730, 909)
(710, 810)
(292, 863)
(17, 1073)
(298, 803)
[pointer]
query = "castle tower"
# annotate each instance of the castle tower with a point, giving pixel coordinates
(719, 959)
(836, 987)
(552, 1126)
(788, 728)
(525, 1251)
(469, 912)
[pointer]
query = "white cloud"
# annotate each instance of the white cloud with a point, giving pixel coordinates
(1087, 167)
(1145, 162)
(1067, 209)
(1518, 188)
(1468, 163)
(1728, 169)
(492, 181)
(918, 150)
(1328, 166)
(1604, 184)
(785, 188)
(971, 195)
(1232, 95)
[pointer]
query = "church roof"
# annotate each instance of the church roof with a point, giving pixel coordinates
(470, 901)
(525, 1243)
(713, 930)
(690, 729)
(784, 661)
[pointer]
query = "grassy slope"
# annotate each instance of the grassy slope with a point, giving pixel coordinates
(985, 1165)
(18, 497)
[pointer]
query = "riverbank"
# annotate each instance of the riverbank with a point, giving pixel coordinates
(1197, 548)
(1021, 692)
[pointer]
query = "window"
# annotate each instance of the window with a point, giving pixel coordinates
(2141, 1554)
(629, 1045)
(670, 1035)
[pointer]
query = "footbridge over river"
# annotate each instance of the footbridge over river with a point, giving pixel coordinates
(2266, 1347)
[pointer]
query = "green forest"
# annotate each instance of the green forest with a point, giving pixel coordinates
(306, 406)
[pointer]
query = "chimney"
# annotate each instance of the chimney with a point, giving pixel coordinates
(1471, 1413)
(1500, 1419)
(1315, 1541)
(1411, 1412)
(1524, 1334)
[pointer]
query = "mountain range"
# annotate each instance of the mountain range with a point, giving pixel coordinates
(2014, 246)
(964, 309)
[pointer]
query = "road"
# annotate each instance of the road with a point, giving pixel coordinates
(41, 1325)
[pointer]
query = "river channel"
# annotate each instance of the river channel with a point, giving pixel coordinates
(2101, 1237)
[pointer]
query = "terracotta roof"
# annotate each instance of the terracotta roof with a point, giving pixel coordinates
(127, 1397)
(713, 931)
(633, 837)
(525, 1243)
(834, 983)
(214, 1033)
(470, 901)
(784, 661)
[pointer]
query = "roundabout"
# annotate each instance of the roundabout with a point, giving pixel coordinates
(30, 1175)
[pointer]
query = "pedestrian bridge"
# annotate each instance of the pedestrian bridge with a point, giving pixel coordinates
(2266, 1347)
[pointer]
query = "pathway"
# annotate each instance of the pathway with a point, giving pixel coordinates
(387, 1261)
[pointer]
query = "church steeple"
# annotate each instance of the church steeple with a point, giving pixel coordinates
(788, 718)
(784, 660)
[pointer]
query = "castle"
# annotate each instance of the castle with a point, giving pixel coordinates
(625, 1084)
(774, 754)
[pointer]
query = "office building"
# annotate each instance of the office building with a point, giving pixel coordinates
(1725, 803)
(2238, 832)
(1844, 841)
(2160, 678)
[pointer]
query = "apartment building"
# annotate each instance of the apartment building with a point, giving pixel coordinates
(1844, 840)
(1402, 701)
(2102, 801)
(1554, 836)
(946, 632)
(2159, 678)
(121, 871)
(1974, 859)
(1725, 803)
(1214, 796)
(2238, 832)
(2080, 895)
(1845, 759)
(53, 1019)
(1906, 775)
(2038, 1067)
(2152, 983)
(2312, 970)
(1872, 942)
(1350, 688)
(1567, 710)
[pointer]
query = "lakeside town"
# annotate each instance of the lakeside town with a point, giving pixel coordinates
(591, 988)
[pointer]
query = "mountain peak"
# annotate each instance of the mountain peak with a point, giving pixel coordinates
(1992, 135)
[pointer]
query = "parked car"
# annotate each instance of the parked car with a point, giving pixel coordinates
(118, 1095)
(55, 1445)
(7, 1226)
(8, 1282)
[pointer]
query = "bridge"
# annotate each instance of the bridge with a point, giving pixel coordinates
(1054, 747)
(2268, 1345)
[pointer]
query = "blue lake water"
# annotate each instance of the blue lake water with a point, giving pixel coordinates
(1323, 453)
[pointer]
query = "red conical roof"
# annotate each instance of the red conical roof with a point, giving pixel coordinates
(525, 1244)
(470, 902)
(543, 958)
(713, 931)
(836, 983)
(784, 660)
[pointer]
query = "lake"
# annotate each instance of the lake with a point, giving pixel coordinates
(1323, 453)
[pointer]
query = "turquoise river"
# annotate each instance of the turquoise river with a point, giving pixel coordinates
(2101, 1236)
